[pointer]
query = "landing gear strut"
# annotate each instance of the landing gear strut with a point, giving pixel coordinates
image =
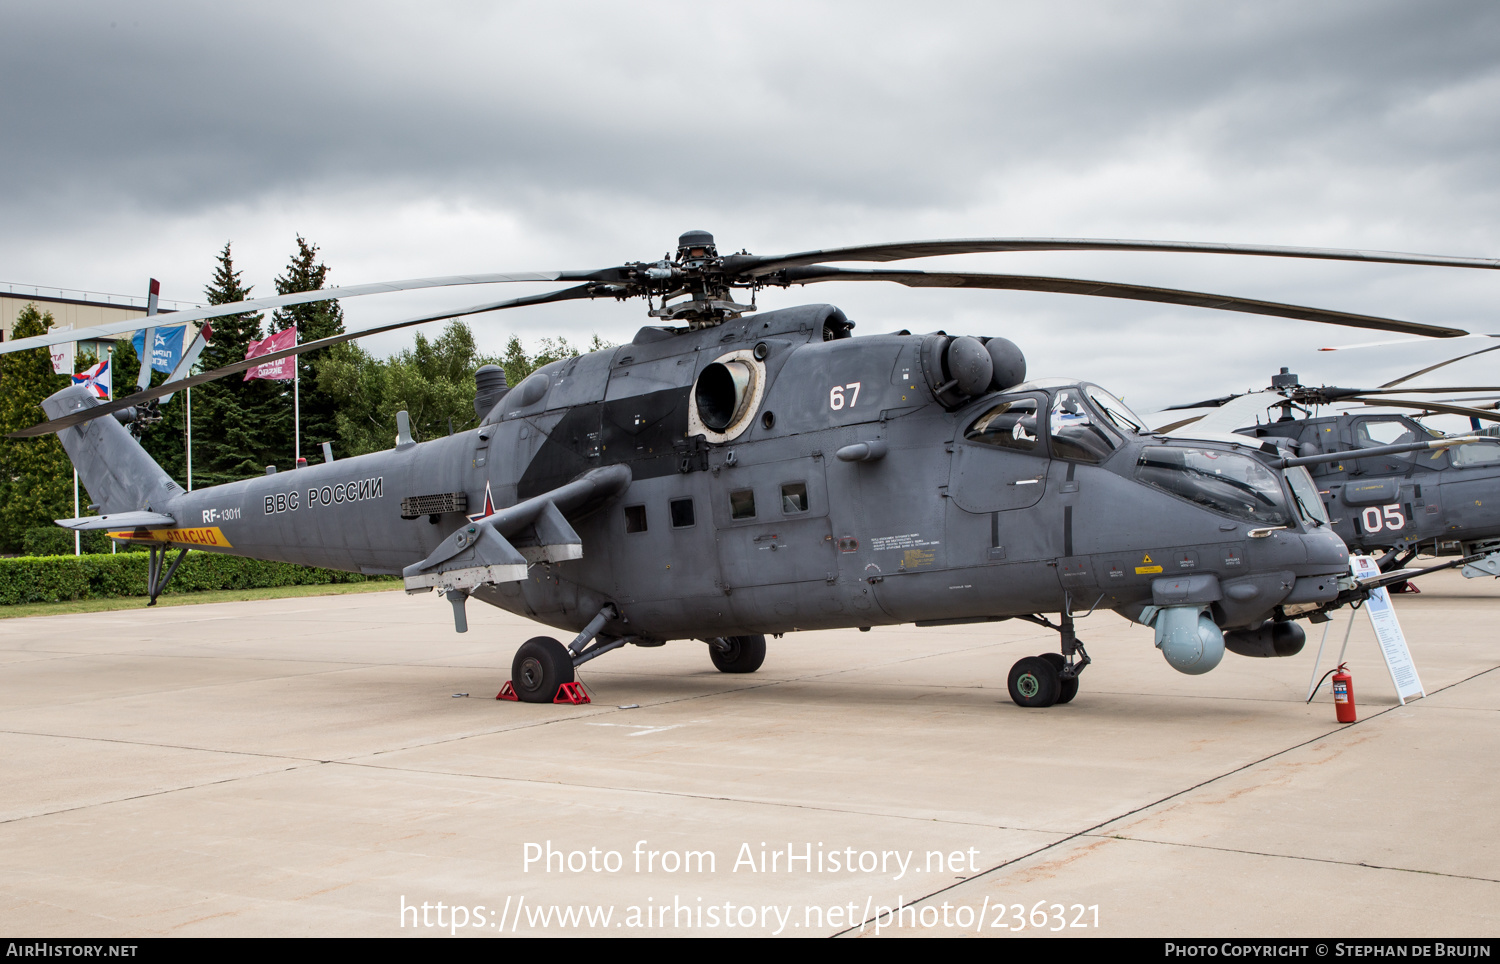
(156, 582)
(1051, 677)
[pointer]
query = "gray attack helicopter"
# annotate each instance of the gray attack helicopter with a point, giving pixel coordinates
(732, 473)
(1396, 503)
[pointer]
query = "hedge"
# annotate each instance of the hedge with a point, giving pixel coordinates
(30, 579)
(55, 541)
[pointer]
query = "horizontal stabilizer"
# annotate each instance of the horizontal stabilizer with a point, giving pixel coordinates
(119, 520)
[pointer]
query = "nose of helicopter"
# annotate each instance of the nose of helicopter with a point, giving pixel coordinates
(1324, 558)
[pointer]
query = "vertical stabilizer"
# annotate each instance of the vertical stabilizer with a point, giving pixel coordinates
(119, 475)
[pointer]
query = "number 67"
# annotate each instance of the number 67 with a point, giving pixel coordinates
(836, 395)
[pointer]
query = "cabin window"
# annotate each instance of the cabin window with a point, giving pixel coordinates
(1476, 453)
(1374, 432)
(1009, 425)
(742, 504)
(794, 497)
(682, 513)
(635, 518)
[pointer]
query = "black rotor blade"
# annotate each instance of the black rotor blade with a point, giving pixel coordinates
(1328, 394)
(758, 266)
(1206, 403)
(1425, 391)
(280, 301)
(167, 388)
(1441, 364)
(1107, 289)
(1438, 407)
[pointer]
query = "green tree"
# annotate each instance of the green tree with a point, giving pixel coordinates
(230, 436)
(36, 478)
(319, 319)
(518, 364)
(433, 381)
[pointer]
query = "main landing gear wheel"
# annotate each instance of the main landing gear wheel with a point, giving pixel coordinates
(1034, 682)
(744, 655)
(542, 664)
(1068, 685)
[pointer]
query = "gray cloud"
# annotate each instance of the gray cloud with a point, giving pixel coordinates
(472, 136)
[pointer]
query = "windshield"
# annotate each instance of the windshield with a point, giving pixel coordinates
(1225, 482)
(1125, 420)
(1074, 433)
(1305, 491)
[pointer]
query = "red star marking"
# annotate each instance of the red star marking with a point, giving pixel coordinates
(489, 506)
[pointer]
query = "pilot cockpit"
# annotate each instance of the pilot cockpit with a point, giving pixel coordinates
(1083, 422)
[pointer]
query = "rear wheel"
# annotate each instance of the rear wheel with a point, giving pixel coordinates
(1034, 682)
(744, 654)
(1067, 686)
(542, 664)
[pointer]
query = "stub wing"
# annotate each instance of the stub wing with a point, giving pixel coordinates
(481, 552)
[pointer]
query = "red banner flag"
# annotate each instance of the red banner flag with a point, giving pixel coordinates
(281, 370)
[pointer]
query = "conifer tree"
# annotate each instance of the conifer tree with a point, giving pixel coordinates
(230, 432)
(36, 478)
(320, 319)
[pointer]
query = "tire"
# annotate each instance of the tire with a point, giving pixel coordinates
(1067, 688)
(542, 664)
(1034, 682)
(745, 655)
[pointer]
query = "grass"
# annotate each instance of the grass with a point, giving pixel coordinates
(193, 598)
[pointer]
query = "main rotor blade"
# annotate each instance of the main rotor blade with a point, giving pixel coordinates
(1426, 391)
(1107, 289)
(168, 388)
(279, 301)
(1441, 364)
(1438, 407)
(757, 266)
(1236, 413)
(1206, 403)
(1389, 341)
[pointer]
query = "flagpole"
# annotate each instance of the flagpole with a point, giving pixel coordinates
(109, 391)
(189, 419)
(77, 534)
(296, 403)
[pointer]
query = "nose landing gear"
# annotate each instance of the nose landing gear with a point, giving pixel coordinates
(1051, 677)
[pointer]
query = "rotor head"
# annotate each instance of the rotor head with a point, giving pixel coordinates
(696, 248)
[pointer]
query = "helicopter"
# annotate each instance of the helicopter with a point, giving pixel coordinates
(732, 473)
(1397, 504)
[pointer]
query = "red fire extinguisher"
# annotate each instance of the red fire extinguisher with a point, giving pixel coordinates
(1343, 694)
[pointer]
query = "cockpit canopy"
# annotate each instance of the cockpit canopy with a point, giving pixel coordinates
(1084, 422)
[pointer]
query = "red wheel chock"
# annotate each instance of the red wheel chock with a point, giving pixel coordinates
(572, 694)
(1409, 587)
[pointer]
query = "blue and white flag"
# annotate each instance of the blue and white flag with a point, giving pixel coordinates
(168, 350)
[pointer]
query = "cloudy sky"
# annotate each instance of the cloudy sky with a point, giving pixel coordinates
(136, 139)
